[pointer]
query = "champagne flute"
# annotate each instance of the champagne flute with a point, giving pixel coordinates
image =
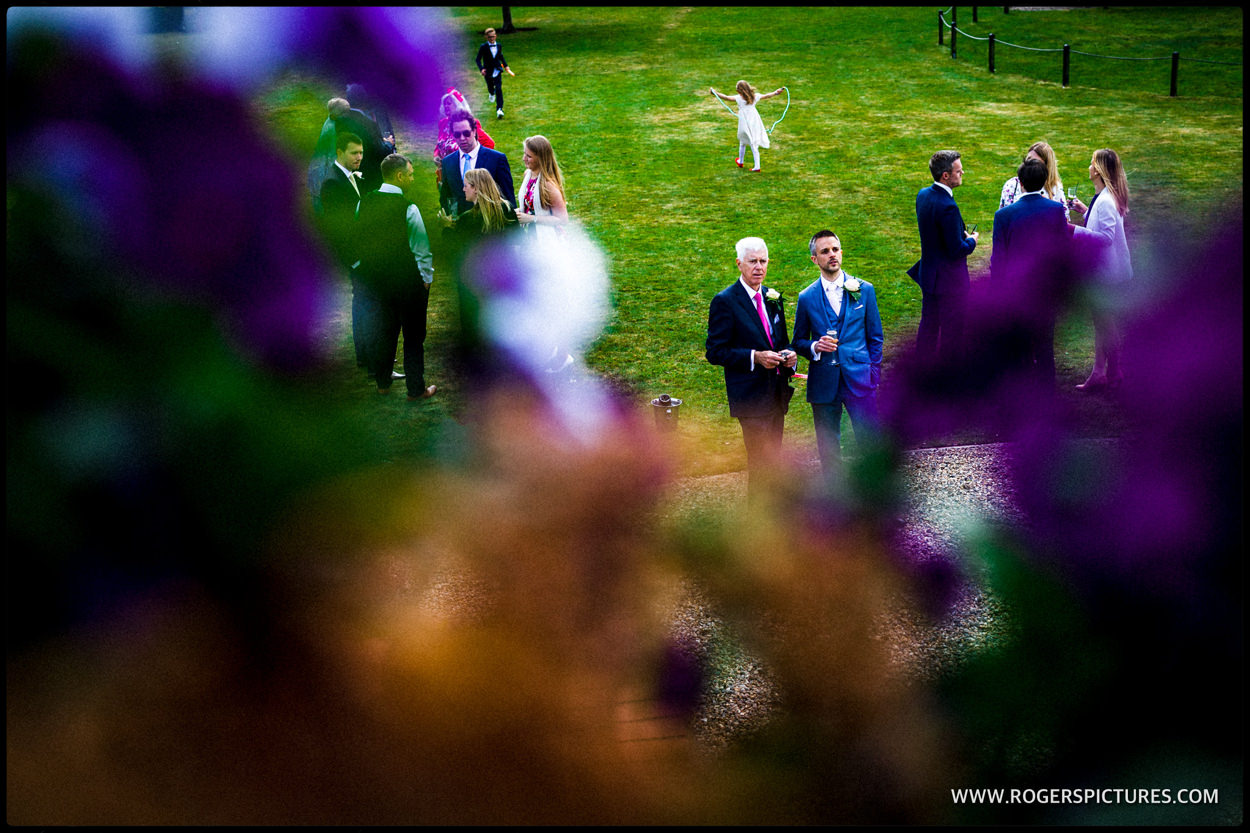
(1071, 195)
(833, 357)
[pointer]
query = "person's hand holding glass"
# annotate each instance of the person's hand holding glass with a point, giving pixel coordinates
(828, 343)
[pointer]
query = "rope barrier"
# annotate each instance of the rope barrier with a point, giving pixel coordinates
(946, 22)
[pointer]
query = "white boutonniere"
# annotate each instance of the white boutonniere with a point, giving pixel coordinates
(358, 175)
(851, 287)
(772, 294)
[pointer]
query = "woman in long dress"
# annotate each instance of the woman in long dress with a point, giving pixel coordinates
(750, 126)
(1108, 262)
(542, 189)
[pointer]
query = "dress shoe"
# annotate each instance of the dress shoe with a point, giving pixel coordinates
(1092, 384)
(425, 394)
(755, 170)
(384, 391)
(499, 113)
(738, 162)
(492, 98)
(395, 374)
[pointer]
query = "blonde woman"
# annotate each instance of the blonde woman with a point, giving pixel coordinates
(1107, 261)
(750, 126)
(490, 213)
(1053, 189)
(542, 189)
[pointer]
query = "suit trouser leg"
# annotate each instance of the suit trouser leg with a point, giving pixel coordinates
(360, 323)
(762, 438)
(413, 312)
(827, 419)
(954, 311)
(384, 340)
(499, 91)
(930, 318)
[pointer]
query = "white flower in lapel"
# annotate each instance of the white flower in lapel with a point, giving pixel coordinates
(772, 294)
(851, 286)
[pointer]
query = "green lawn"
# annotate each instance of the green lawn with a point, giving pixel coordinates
(648, 160)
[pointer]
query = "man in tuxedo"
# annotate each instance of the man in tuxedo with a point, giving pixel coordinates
(340, 199)
(942, 271)
(746, 335)
(1028, 266)
(348, 119)
(838, 328)
(492, 64)
(395, 272)
(340, 196)
(472, 155)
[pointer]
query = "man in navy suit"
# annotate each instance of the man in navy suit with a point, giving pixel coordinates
(942, 270)
(844, 369)
(746, 335)
(1028, 265)
(472, 155)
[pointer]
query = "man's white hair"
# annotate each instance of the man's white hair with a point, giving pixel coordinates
(750, 244)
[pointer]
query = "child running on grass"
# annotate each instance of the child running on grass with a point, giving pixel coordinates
(750, 126)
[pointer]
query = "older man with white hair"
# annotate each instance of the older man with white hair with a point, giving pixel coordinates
(746, 335)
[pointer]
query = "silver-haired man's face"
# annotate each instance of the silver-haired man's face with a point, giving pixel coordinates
(754, 267)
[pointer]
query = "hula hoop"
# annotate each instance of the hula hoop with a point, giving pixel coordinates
(722, 103)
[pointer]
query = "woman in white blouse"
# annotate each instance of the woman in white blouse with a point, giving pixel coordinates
(1053, 187)
(1107, 261)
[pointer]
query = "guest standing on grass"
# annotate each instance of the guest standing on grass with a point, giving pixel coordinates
(1053, 187)
(544, 214)
(1029, 264)
(746, 335)
(750, 126)
(837, 327)
(452, 101)
(942, 271)
(1104, 254)
(396, 270)
(470, 154)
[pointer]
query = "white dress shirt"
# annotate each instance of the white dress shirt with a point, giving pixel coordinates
(753, 292)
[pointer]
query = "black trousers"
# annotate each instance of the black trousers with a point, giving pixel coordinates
(395, 311)
(762, 437)
(941, 330)
(494, 86)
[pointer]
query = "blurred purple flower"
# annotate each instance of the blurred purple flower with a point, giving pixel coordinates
(1158, 511)
(170, 189)
(401, 55)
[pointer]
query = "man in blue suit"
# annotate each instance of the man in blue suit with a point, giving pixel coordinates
(1028, 266)
(942, 270)
(472, 155)
(746, 335)
(838, 328)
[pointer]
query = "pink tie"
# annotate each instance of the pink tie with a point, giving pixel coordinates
(759, 307)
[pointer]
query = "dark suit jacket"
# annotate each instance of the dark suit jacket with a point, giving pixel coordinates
(1032, 243)
(733, 331)
(860, 342)
(943, 265)
(451, 192)
(487, 62)
(337, 221)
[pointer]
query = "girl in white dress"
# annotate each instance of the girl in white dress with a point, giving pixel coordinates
(750, 126)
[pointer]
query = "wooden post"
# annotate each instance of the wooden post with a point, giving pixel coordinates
(954, 23)
(1067, 58)
(1176, 65)
(991, 53)
(1006, 9)
(974, 14)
